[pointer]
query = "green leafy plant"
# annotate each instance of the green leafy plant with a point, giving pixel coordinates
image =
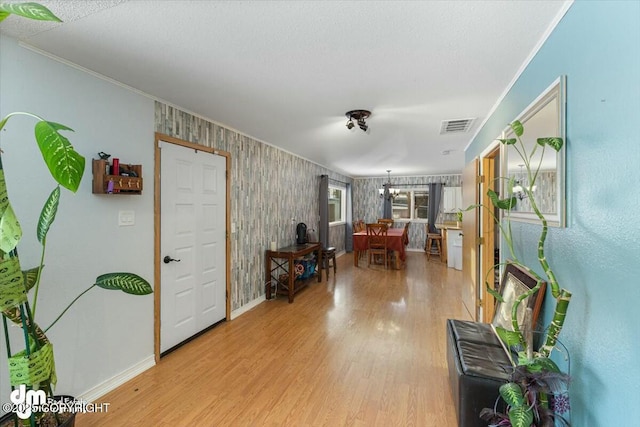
(527, 393)
(34, 365)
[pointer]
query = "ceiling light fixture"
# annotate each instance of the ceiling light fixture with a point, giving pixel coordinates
(393, 192)
(518, 190)
(359, 116)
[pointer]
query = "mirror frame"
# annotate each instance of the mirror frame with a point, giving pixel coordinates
(556, 92)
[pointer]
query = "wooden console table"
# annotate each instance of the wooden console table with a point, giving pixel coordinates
(288, 255)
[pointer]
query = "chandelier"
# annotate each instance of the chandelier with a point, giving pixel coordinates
(518, 190)
(393, 192)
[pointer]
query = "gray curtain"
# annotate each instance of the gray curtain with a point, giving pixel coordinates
(435, 195)
(348, 228)
(386, 205)
(323, 227)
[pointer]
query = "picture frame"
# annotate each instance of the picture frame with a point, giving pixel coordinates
(515, 282)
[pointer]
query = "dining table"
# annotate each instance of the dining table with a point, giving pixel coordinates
(396, 241)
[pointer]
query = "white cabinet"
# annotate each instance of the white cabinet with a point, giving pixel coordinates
(451, 199)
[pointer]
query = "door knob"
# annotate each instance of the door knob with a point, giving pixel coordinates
(168, 259)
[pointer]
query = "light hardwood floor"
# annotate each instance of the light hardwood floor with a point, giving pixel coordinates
(366, 347)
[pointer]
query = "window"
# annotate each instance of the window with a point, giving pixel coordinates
(411, 204)
(337, 208)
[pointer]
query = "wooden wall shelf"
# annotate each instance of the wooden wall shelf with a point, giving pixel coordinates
(121, 184)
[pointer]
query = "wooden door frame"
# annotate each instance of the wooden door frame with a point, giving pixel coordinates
(470, 240)
(487, 225)
(157, 217)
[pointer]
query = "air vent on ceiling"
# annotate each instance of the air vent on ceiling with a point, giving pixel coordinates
(456, 126)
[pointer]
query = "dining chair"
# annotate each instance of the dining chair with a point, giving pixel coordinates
(387, 221)
(405, 234)
(377, 241)
(433, 244)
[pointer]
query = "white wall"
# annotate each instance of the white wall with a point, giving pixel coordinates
(106, 332)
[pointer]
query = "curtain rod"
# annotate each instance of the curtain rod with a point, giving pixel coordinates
(415, 185)
(336, 180)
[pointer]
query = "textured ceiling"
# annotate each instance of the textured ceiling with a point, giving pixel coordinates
(285, 72)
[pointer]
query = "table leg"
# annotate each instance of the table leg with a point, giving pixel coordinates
(356, 255)
(267, 275)
(292, 278)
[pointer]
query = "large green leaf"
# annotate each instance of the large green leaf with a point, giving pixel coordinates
(30, 277)
(504, 204)
(542, 364)
(10, 230)
(12, 290)
(64, 163)
(508, 141)
(521, 416)
(553, 142)
(27, 10)
(48, 214)
(126, 282)
(512, 394)
(510, 338)
(517, 127)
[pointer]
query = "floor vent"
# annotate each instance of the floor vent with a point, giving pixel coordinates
(456, 126)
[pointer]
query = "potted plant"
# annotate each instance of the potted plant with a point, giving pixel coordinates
(32, 369)
(459, 218)
(536, 377)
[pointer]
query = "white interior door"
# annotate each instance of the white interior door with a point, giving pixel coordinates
(193, 282)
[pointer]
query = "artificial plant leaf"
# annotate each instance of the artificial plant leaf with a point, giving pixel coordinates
(510, 338)
(12, 290)
(126, 282)
(48, 214)
(517, 127)
(542, 364)
(3, 121)
(508, 141)
(497, 295)
(65, 164)
(553, 142)
(38, 367)
(512, 394)
(28, 10)
(10, 231)
(3, 16)
(505, 204)
(521, 416)
(30, 277)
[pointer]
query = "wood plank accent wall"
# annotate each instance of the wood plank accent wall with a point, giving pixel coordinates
(269, 187)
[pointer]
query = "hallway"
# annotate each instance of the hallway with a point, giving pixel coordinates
(366, 347)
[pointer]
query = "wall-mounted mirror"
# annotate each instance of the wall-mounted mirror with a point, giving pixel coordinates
(544, 117)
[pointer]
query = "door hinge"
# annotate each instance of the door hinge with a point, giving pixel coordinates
(479, 302)
(480, 179)
(480, 241)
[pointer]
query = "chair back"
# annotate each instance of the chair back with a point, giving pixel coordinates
(377, 236)
(358, 226)
(405, 234)
(387, 221)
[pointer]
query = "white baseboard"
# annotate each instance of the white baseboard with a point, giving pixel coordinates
(116, 381)
(247, 307)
